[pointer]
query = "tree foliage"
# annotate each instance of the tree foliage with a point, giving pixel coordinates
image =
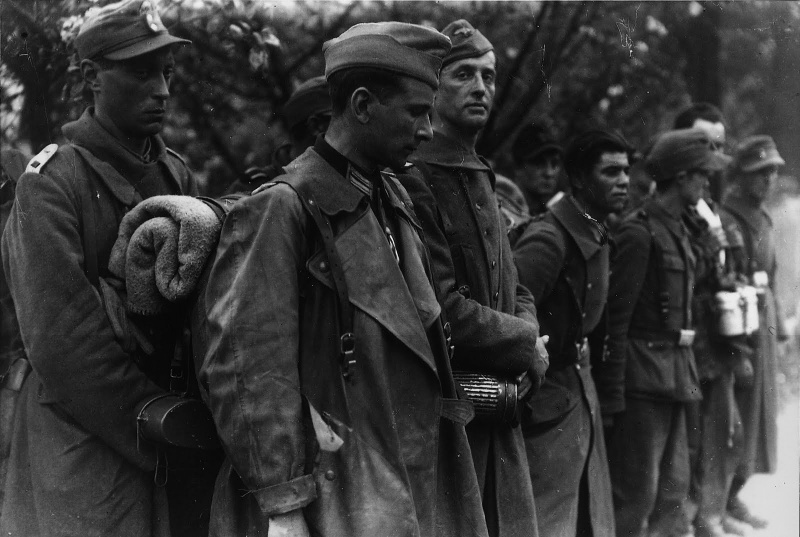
(625, 65)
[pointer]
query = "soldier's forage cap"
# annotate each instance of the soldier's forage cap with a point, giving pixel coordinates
(755, 153)
(683, 150)
(123, 30)
(467, 42)
(311, 97)
(534, 140)
(406, 49)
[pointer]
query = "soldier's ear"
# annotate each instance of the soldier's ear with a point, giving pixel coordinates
(361, 102)
(89, 71)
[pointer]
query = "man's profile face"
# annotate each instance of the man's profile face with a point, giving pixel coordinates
(539, 176)
(757, 184)
(694, 185)
(466, 92)
(133, 93)
(401, 122)
(608, 181)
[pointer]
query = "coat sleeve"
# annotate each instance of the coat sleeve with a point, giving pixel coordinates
(539, 255)
(64, 326)
(628, 272)
(486, 340)
(251, 365)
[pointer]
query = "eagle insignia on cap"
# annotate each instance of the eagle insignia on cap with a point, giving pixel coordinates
(762, 154)
(152, 17)
(465, 31)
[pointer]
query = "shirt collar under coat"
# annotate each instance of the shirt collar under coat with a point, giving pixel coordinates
(580, 229)
(340, 194)
(114, 163)
(447, 152)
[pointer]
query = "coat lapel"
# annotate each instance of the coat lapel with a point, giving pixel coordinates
(402, 301)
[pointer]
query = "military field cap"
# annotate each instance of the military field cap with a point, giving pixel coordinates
(755, 153)
(406, 49)
(123, 30)
(532, 141)
(683, 150)
(311, 97)
(467, 42)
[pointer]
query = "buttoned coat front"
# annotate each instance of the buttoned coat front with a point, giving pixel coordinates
(381, 452)
(564, 265)
(493, 317)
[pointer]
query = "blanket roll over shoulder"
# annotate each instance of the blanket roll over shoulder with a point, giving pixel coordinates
(161, 249)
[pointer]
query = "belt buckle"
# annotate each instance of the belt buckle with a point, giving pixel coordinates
(686, 338)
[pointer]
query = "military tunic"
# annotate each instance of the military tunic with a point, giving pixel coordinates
(650, 299)
(562, 260)
(493, 317)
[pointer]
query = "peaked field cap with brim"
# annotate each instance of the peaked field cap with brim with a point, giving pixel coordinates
(311, 97)
(467, 42)
(755, 153)
(683, 150)
(399, 47)
(123, 30)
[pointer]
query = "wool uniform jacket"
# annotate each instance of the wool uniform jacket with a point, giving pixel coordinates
(493, 317)
(560, 258)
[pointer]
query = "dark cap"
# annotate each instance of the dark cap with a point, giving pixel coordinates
(311, 97)
(534, 140)
(755, 153)
(399, 47)
(467, 42)
(123, 30)
(683, 150)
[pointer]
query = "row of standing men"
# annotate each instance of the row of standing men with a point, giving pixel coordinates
(324, 354)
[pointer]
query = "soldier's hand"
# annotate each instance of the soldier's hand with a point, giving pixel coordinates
(541, 358)
(291, 524)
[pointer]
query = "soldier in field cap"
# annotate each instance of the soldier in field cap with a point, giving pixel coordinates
(78, 466)
(650, 340)
(330, 380)
(493, 318)
(752, 175)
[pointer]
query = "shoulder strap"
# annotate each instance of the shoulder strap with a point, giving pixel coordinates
(345, 309)
(89, 226)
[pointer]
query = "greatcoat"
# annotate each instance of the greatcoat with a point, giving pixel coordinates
(493, 317)
(752, 227)
(77, 466)
(560, 258)
(382, 451)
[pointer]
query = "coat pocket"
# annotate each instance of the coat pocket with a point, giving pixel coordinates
(548, 405)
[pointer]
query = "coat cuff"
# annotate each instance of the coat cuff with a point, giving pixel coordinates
(284, 497)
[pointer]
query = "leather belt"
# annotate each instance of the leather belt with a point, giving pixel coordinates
(681, 338)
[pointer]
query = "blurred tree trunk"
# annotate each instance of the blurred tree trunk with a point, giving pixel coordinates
(701, 41)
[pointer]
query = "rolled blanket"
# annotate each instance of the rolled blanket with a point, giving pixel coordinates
(162, 247)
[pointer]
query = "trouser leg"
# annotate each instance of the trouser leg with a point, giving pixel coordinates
(636, 447)
(669, 516)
